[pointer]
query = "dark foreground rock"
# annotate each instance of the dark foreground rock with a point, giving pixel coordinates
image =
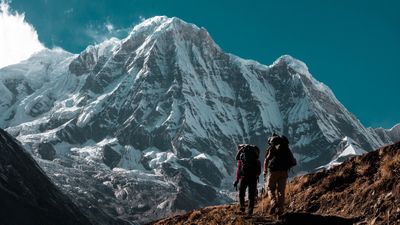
(26, 194)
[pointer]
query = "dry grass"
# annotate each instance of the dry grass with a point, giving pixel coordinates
(362, 187)
(214, 215)
(390, 167)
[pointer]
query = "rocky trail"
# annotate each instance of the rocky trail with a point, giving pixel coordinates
(229, 215)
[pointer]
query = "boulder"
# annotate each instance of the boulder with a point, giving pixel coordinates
(110, 156)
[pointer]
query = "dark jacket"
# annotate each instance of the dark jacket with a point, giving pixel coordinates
(239, 164)
(278, 157)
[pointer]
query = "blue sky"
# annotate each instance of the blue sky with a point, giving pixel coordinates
(352, 46)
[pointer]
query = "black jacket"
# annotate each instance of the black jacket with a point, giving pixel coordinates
(279, 158)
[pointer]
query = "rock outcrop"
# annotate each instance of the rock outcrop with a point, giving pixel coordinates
(27, 196)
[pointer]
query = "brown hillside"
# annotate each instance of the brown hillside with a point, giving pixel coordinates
(362, 190)
(365, 186)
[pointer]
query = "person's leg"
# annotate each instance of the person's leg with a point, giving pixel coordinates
(242, 193)
(252, 183)
(272, 191)
(272, 185)
(265, 185)
(281, 190)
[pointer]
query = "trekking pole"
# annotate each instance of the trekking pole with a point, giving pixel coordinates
(265, 194)
(289, 195)
(262, 207)
(237, 197)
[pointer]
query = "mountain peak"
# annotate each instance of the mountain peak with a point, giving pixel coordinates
(160, 33)
(159, 23)
(293, 63)
(395, 127)
(394, 132)
(151, 22)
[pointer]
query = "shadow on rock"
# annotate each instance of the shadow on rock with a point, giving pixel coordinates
(312, 219)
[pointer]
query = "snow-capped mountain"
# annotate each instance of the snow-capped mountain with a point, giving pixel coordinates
(148, 125)
(388, 135)
(346, 149)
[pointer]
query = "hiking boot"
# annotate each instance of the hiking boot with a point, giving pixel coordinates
(280, 210)
(273, 210)
(248, 216)
(241, 211)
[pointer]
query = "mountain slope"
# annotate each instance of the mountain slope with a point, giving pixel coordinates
(365, 186)
(152, 121)
(390, 135)
(27, 195)
(362, 190)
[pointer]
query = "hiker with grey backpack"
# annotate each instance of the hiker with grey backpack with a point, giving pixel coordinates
(278, 161)
(247, 173)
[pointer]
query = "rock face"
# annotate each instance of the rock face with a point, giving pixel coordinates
(171, 107)
(392, 134)
(27, 195)
(110, 157)
(46, 151)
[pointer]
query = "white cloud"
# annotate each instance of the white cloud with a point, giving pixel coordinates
(18, 39)
(104, 31)
(96, 33)
(109, 27)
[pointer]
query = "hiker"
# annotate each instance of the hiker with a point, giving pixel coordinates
(248, 170)
(278, 160)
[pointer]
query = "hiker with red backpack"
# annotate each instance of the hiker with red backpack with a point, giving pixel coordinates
(278, 160)
(247, 173)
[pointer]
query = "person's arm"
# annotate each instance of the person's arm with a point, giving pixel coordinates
(238, 170)
(265, 166)
(235, 183)
(266, 160)
(259, 168)
(271, 152)
(238, 155)
(240, 150)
